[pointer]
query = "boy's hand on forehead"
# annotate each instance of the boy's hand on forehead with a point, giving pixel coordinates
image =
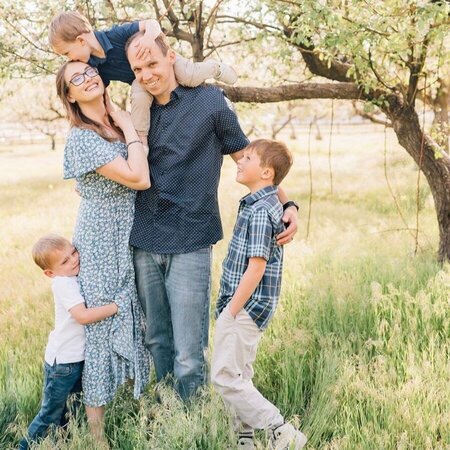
(144, 46)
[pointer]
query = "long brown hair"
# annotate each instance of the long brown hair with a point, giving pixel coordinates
(75, 115)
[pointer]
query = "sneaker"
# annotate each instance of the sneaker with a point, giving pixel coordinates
(226, 74)
(286, 437)
(245, 443)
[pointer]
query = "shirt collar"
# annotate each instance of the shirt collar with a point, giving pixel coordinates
(249, 199)
(106, 46)
(176, 94)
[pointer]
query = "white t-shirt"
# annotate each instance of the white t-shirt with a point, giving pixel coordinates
(66, 341)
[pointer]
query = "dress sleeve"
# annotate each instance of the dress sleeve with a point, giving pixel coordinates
(85, 152)
(227, 127)
(260, 235)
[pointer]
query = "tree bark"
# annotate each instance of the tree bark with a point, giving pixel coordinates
(431, 160)
(440, 107)
(346, 91)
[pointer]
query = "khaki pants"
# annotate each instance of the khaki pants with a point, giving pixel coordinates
(187, 73)
(235, 344)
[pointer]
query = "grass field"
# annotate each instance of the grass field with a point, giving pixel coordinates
(358, 353)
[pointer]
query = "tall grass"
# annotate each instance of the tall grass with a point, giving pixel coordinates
(357, 355)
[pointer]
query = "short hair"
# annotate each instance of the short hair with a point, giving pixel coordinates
(67, 26)
(44, 248)
(273, 154)
(161, 41)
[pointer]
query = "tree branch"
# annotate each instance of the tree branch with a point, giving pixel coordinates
(371, 117)
(260, 26)
(334, 70)
(416, 69)
(348, 91)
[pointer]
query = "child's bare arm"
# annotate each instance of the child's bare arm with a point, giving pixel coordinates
(249, 281)
(152, 30)
(86, 316)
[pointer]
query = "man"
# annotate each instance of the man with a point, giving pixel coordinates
(177, 220)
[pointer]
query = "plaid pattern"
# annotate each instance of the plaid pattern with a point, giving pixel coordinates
(254, 235)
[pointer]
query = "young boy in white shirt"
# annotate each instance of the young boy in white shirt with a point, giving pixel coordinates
(64, 355)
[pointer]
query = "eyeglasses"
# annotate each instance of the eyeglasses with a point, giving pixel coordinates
(80, 78)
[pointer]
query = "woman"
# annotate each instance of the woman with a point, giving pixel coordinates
(104, 154)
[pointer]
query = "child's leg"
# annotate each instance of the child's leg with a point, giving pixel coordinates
(192, 74)
(58, 383)
(141, 101)
(235, 344)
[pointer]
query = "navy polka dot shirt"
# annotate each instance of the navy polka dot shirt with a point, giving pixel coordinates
(187, 140)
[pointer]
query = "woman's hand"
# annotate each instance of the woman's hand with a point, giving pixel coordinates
(122, 119)
(110, 106)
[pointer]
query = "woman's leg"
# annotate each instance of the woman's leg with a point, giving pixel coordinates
(95, 417)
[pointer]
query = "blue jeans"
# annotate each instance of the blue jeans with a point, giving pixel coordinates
(60, 381)
(174, 294)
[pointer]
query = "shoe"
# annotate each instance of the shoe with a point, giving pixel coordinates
(245, 443)
(226, 74)
(286, 437)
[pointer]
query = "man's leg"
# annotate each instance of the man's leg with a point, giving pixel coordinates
(188, 287)
(58, 383)
(150, 282)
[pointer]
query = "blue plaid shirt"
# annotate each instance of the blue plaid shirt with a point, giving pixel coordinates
(115, 65)
(188, 138)
(257, 225)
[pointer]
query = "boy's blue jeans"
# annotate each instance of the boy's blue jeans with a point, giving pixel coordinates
(60, 381)
(174, 294)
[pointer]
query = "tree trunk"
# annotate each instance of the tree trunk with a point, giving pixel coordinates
(440, 107)
(432, 161)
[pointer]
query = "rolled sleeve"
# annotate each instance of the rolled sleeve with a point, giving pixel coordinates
(260, 235)
(227, 127)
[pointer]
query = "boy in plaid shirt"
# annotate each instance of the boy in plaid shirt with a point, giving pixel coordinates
(249, 292)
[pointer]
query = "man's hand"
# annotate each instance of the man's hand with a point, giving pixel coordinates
(290, 219)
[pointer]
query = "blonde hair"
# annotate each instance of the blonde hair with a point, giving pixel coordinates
(67, 26)
(75, 115)
(273, 154)
(45, 247)
(161, 41)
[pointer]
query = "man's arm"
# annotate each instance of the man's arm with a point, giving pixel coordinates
(86, 316)
(249, 281)
(290, 218)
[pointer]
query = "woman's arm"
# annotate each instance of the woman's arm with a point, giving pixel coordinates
(134, 171)
(85, 316)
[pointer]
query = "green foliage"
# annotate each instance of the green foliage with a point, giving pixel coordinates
(382, 40)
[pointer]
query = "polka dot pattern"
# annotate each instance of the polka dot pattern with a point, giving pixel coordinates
(187, 140)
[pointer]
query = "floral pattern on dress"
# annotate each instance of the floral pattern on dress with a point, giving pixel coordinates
(115, 348)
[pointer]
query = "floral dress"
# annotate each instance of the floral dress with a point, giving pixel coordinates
(115, 348)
